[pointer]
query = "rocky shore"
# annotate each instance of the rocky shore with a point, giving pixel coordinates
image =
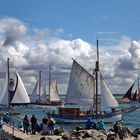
(92, 134)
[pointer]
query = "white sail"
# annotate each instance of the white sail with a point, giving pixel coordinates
(33, 96)
(4, 92)
(107, 99)
(54, 91)
(81, 88)
(20, 95)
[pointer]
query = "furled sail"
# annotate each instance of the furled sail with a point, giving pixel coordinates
(4, 99)
(81, 88)
(20, 95)
(54, 91)
(107, 99)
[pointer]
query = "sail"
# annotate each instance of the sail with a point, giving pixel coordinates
(138, 94)
(20, 95)
(33, 96)
(81, 87)
(54, 91)
(127, 96)
(134, 98)
(43, 91)
(4, 99)
(107, 99)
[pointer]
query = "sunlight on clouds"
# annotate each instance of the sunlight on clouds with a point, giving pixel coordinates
(34, 52)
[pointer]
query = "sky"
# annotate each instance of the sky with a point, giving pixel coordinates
(37, 33)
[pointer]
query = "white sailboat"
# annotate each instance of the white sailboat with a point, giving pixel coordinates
(83, 90)
(13, 91)
(39, 96)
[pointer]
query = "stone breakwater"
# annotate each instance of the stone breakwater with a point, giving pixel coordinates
(78, 134)
(92, 134)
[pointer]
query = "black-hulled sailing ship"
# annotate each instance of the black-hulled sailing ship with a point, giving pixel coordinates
(130, 96)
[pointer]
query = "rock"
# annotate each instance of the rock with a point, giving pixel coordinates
(79, 128)
(124, 133)
(90, 134)
(66, 136)
(46, 138)
(136, 131)
(112, 137)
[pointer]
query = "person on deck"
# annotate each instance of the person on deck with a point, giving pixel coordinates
(33, 124)
(88, 123)
(26, 124)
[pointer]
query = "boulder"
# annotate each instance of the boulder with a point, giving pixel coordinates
(66, 136)
(124, 133)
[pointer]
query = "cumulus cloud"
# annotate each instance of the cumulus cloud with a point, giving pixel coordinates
(45, 47)
(13, 30)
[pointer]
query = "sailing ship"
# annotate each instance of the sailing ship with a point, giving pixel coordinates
(83, 90)
(39, 96)
(13, 91)
(130, 96)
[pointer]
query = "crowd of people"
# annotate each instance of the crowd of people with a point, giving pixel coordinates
(32, 125)
(89, 124)
(47, 126)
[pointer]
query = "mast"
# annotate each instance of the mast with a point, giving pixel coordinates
(49, 80)
(97, 70)
(138, 90)
(8, 73)
(39, 86)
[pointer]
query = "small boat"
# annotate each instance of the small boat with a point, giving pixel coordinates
(83, 91)
(13, 91)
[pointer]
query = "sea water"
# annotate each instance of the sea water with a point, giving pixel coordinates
(130, 120)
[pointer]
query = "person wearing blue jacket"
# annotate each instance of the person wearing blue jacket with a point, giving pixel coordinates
(101, 125)
(7, 118)
(88, 123)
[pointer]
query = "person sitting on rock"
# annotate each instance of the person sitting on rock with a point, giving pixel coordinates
(88, 124)
(7, 118)
(101, 125)
(95, 126)
(117, 127)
